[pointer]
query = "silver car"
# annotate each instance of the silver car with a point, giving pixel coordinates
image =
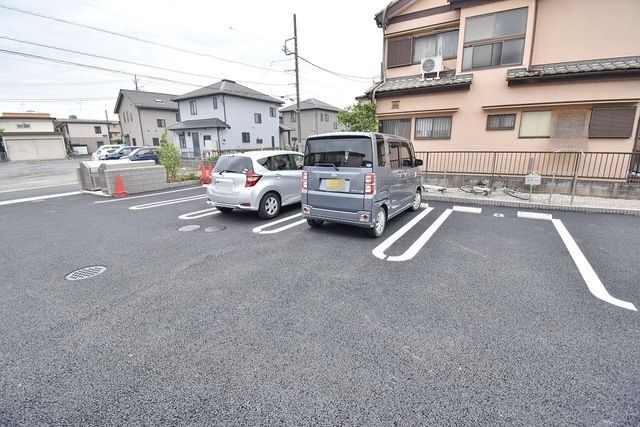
(261, 181)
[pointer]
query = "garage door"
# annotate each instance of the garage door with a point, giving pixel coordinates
(35, 149)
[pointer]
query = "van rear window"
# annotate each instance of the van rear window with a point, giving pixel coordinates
(348, 152)
(237, 164)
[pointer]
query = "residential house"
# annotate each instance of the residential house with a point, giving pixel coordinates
(85, 136)
(145, 115)
(226, 115)
(515, 75)
(31, 136)
(315, 117)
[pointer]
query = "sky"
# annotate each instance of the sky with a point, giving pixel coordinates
(236, 40)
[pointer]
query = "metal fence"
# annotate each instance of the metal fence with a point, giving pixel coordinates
(602, 174)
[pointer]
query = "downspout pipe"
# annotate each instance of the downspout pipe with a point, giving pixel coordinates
(384, 53)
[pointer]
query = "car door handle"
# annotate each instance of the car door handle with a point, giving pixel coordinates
(278, 175)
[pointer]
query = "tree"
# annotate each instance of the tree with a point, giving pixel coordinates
(359, 117)
(169, 157)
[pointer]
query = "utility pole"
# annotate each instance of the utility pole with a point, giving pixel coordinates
(297, 70)
(135, 80)
(106, 116)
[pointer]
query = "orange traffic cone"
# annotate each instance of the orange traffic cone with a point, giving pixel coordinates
(120, 190)
(210, 171)
(204, 179)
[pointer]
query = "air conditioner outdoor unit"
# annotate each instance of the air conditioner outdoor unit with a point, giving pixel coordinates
(431, 65)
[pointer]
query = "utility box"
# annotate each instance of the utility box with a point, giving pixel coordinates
(88, 175)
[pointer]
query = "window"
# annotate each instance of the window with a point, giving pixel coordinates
(394, 154)
(281, 119)
(294, 117)
(97, 130)
(353, 152)
(612, 122)
(258, 140)
(326, 117)
(99, 144)
(182, 139)
(206, 138)
(321, 117)
(494, 39)
(156, 141)
(24, 126)
(193, 105)
(133, 141)
(395, 105)
(406, 156)
(298, 161)
(161, 123)
(215, 102)
(272, 111)
(442, 44)
(279, 162)
(177, 117)
(433, 127)
(399, 52)
(535, 124)
(246, 137)
(335, 125)
(382, 155)
(501, 121)
(273, 141)
(400, 127)
(257, 117)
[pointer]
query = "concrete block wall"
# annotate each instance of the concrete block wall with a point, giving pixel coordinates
(138, 180)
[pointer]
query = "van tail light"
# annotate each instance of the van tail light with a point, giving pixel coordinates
(369, 183)
(251, 178)
(304, 180)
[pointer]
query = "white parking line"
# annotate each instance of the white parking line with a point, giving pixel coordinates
(167, 202)
(588, 274)
(199, 214)
(423, 239)
(36, 188)
(378, 252)
(38, 198)
(149, 195)
(535, 215)
(467, 209)
(258, 230)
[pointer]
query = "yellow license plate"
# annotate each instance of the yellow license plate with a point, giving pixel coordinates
(335, 184)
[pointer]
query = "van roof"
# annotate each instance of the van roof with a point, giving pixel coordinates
(324, 135)
(258, 154)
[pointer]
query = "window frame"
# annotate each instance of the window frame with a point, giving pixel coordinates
(162, 123)
(272, 111)
(246, 137)
(257, 118)
(193, 107)
(438, 44)
(155, 141)
(259, 141)
(215, 102)
(294, 117)
(610, 136)
(421, 138)
(490, 129)
(96, 129)
(523, 114)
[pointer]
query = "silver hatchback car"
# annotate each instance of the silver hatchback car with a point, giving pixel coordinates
(261, 181)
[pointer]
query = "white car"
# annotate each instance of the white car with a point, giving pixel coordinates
(103, 151)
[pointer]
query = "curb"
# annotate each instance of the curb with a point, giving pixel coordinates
(507, 204)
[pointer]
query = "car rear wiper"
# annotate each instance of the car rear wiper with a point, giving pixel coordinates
(326, 164)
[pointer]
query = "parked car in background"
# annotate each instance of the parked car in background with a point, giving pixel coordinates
(121, 152)
(359, 178)
(102, 150)
(261, 181)
(145, 153)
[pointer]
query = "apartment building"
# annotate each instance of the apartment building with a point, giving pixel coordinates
(315, 117)
(511, 75)
(86, 136)
(30, 136)
(145, 115)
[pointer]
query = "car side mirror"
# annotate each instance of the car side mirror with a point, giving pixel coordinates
(418, 162)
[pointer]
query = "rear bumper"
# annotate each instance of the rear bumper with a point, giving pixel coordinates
(236, 200)
(351, 218)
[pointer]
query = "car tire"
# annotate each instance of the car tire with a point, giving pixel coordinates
(315, 223)
(225, 210)
(269, 206)
(379, 226)
(417, 201)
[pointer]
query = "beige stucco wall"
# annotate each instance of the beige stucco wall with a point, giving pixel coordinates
(35, 147)
(37, 125)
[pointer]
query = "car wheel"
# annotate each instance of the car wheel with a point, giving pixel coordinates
(380, 224)
(225, 210)
(315, 223)
(417, 200)
(269, 206)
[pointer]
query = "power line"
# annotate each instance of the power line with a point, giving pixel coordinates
(105, 98)
(346, 76)
(139, 39)
(173, 70)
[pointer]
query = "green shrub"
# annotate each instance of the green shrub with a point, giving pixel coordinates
(169, 157)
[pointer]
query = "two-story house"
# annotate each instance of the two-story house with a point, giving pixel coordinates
(145, 115)
(315, 117)
(85, 136)
(224, 116)
(511, 75)
(31, 136)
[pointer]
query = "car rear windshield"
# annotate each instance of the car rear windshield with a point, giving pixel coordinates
(349, 152)
(237, 164)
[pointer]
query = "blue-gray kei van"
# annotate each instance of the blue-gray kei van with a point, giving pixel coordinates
(358, 178)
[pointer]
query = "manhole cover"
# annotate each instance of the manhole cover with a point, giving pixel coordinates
(86, 272)
(189, 228)
(214, 228)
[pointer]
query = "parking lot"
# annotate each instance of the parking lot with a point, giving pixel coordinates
(457, 315)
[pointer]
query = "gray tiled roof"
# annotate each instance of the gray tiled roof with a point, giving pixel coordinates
(574, 67)
(140, 99)
(311, 104)
(199, 124)
(447, 78)
(228, 87)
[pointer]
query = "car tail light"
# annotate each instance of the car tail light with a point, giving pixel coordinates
(304, 180)
(252, 178)
(369, 183)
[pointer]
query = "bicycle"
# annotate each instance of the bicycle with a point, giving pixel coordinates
(481, 188)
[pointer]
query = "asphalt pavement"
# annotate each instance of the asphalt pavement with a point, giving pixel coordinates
(489, 321)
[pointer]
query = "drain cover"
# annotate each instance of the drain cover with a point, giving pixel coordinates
(189, 228)
(214, 228)
(86, 272)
